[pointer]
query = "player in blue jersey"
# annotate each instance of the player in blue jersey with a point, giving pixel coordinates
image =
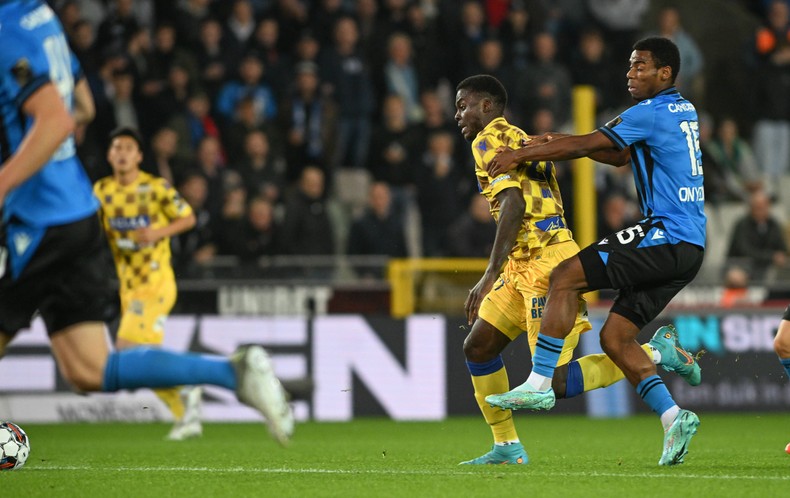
(648, 263)
(51, 240)
(782, 346)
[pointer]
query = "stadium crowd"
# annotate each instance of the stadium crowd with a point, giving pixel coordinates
(322, 127)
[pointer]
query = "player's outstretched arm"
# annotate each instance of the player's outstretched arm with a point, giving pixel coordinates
(52, 124)
(557, 149)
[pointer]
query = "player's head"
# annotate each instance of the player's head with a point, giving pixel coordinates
(478, 100)
(655, 63)
(126, 150)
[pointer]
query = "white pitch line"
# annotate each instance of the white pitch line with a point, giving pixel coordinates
(243, 470)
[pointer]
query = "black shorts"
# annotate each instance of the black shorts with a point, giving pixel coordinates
(67, 279)
(646, 269)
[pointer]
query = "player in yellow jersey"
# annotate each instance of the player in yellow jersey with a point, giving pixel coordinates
(532, 239)
(140, 212)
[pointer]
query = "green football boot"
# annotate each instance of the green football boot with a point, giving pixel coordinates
(678, 437)
(673, 357)
(511, 454)
(519, 400)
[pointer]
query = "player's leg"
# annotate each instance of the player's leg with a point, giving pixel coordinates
(490, 334)
(143, 313)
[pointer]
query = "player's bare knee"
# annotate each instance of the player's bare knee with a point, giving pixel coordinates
(477, 350)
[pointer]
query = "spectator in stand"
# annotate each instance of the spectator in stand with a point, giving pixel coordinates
(214, 56)
(472, 234)
(427, 52)
(772, 95)
(308, 121)
(230, 226)
(735, 161)
(465, 40)
(240, 25)
(293, 16)
(82, 44)
(616, 213)
(690, 79)
(323, 16)
(209, 161)
(757, 242)
(266, 43)
(192, 124)
(371, 28)
(401, 77)
(260, 237)
(621, 21)
(590, 66)
(249, 85)
(548, 82)
(189, 17)
(197, 246)
(490, 60)
(124, 108)
(164, 147)
(379, 231)
(262, 172)
(524, 20)
(394, 150)
(307, 228)
(118, 26)
(346, 74)
(246, 119)
(440, 193)
(306, 49)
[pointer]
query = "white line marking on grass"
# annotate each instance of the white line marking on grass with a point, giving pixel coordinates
(448, 472)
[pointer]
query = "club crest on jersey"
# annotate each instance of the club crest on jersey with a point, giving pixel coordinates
(22, 72)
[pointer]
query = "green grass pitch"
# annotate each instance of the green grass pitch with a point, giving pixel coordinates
(732, 455)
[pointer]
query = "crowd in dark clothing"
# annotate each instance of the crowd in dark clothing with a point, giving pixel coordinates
(248, 105)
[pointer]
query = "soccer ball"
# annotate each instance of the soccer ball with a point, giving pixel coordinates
(14, 446)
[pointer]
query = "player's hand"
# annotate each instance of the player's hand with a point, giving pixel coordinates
(503, 161)
(146, 236)
(540, 139)
(476, 296)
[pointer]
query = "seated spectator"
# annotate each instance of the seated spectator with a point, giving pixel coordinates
(230, 226)
(735, 161)
(757, 241)
(308, 120)
(472, 234)
(260, 236)
(194, 247)
(261, 171)
(307, 227)
(250, 84)
(192, 124)
(615, 214)
(379, 231)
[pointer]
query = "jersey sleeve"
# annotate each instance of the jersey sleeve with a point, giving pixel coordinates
(484, 149)
(173, 205)
(633, 125)
(23, 64)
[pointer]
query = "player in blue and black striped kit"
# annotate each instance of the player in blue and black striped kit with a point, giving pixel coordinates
(51, 239)
(650, 262)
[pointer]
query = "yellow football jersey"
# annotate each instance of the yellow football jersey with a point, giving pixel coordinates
(149, 201)
(544, 220)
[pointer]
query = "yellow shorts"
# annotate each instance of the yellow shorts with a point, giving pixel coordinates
(144, 310)
(516, 302)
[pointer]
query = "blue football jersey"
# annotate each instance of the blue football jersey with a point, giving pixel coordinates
(34, 52)
(663, 133)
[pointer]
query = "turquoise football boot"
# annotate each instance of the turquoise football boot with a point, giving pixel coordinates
(517, 399)
(678, 437)
(511, 454)
(673, 357)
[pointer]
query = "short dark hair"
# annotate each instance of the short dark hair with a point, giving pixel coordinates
(665, 52)
(487, 85)
(127, 131)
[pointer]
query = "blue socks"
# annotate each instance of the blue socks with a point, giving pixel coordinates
(153, 368)
(486, 368)
(574, 383)
(547, 354)
(655, 394)
(785, 363)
